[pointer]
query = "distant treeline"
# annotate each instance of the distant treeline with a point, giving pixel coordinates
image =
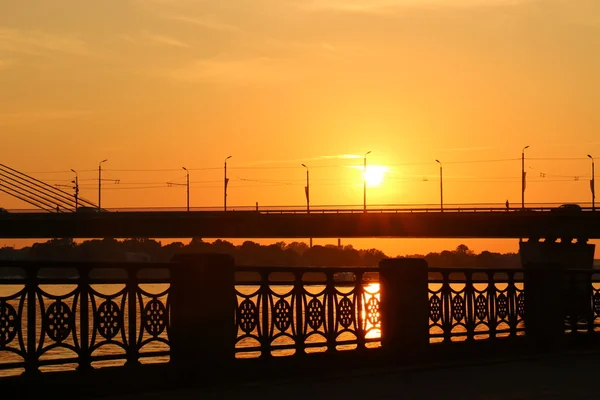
(248, 253)
(465, 258)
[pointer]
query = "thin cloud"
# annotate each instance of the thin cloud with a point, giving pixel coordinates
(146, 38)
(339, 156)
(241, 71)
(391, 6)
(169, 2)
(381, 168)
(185, 11)
(40, 116)
(208, 21)
(303, 160)
(37, 42)
(467, 148)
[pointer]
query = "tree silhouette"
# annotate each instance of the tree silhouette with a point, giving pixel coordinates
(248, 253)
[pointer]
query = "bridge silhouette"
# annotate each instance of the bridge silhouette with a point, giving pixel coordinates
(547, 224)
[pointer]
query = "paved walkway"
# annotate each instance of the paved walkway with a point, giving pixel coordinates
(545, 377)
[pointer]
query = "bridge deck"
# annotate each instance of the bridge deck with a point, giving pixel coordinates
(253, 224)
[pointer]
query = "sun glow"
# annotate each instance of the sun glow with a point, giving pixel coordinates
(374, 175)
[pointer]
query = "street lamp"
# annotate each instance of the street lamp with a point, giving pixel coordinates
(225, 182)
(307, 190)
(76, 182)
(523, 177)
(365, 182)
(100, 183)
(593, 185)
(441, 187)
(187, 185)
(187, 173)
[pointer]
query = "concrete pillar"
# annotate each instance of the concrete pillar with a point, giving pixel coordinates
(545, 305)
(404, 305)
(202, 309)
(578, 255)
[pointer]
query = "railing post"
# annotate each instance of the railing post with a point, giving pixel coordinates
(299, 311)
(360, 323)
(470, 320)
(84, 323)
(202, 310)
(330, 322)
(404, 305)
(446, 312)
(132, 336)
(544, 305)
(31, 364)
(491, 296)
(263, 301)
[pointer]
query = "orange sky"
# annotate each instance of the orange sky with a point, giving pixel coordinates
(155, 85)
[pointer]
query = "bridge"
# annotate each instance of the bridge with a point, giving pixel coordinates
(530, 223)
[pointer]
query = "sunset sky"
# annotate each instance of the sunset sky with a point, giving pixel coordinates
(155, 85)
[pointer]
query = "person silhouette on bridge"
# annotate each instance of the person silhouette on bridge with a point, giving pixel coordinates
(507, 205)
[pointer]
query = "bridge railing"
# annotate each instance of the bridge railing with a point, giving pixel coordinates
(338, 209)
(79, 315)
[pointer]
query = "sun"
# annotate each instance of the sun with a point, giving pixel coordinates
(374, 175)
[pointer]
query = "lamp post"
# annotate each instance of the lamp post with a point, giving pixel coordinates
(307, 190)
(593, 185)
(187, 173)
(441, 187)
(365, 182)
(523, 177)
(187, 185)
(76, 182)
(225, 182)
(100, 184)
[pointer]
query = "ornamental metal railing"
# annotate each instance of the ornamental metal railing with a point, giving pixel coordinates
(77, 315)
(475, 304)
(285, 311)
(82, 315)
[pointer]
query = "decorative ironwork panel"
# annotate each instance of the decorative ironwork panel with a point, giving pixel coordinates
(59, 315)
(481, 307)
(315, 314)
(247, 316)
(9, 323)
(59, 321)
(286, 311)
(59, 340)
(108, 319)
(154, 317)
(13, 350)
(155, 320)
(435, 307)
(474, 304)
(345, 313)
(371, 324)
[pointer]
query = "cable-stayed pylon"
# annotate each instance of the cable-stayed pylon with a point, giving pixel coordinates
(38, 193)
